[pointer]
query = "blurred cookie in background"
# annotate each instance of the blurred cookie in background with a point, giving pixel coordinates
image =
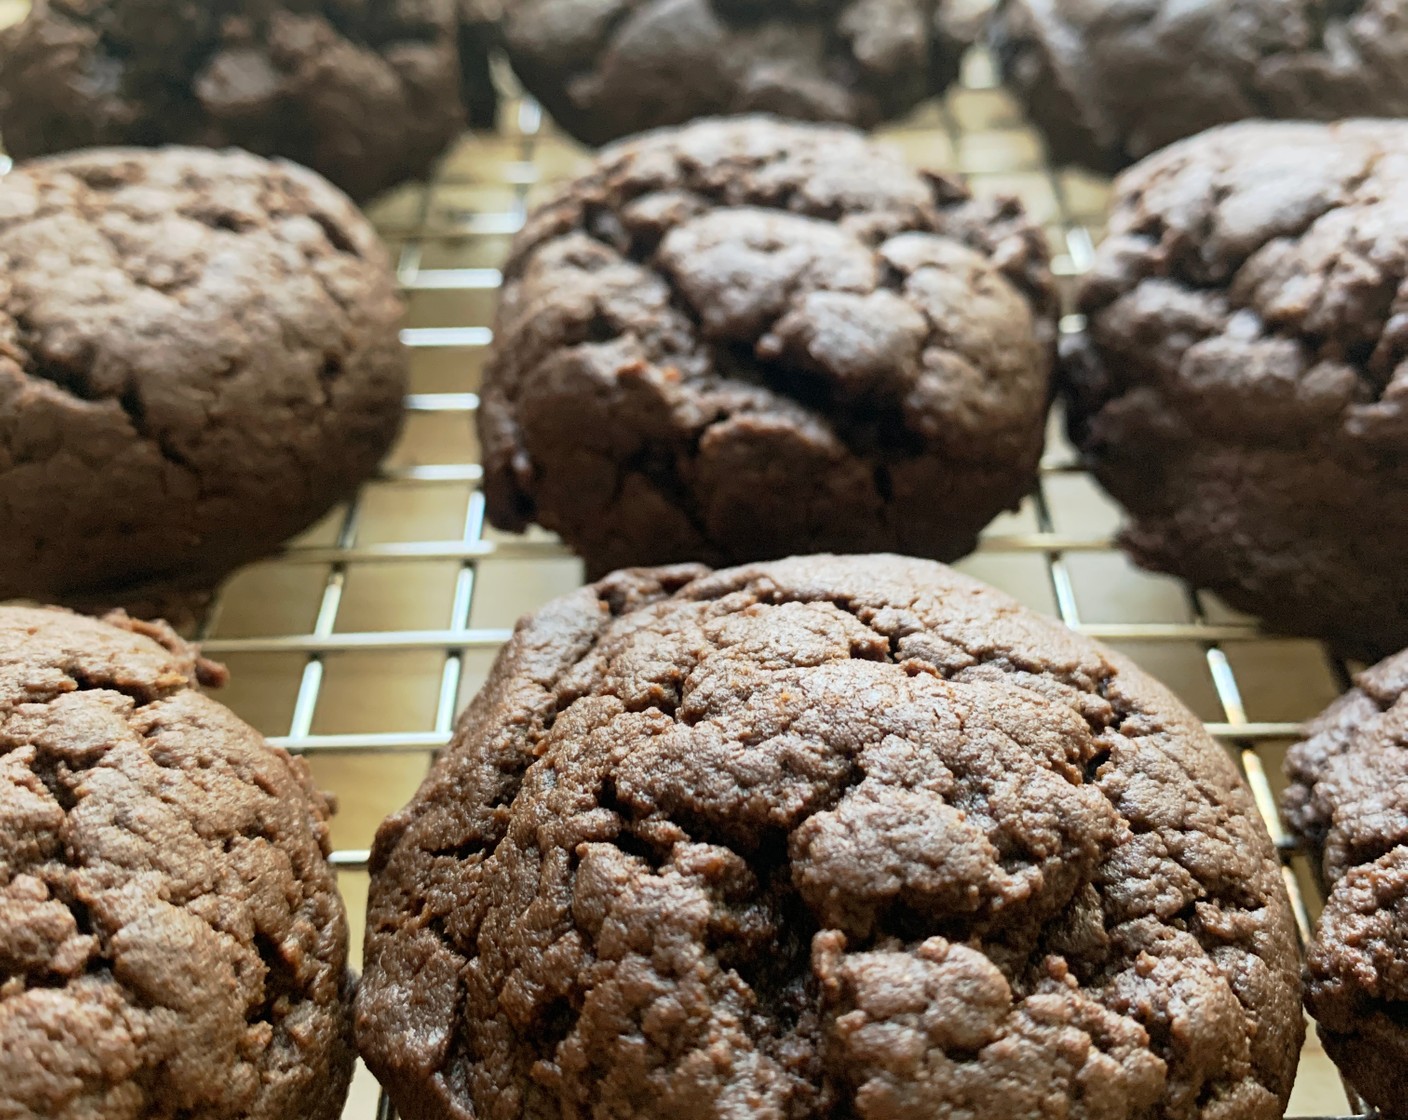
(1108, 82)
(368, 93)
(608, 68)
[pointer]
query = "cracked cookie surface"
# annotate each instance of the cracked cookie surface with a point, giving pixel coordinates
(198, 357)
(1348, 798)
(172, 943)
(746, 339)
(609, 69)
(822, 838)
(1109, 82)
(1242, 383)
(367, 92)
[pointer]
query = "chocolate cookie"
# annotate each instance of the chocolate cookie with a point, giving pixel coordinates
(198, 358)
(747, 339)
(830, 837)
(172, 944)
(367, 92)
(1242, 385)
(608, 68)
(1348, 798)
(1108, 82)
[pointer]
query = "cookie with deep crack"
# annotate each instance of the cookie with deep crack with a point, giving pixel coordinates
(609, 69)
(172, 943)
(1242, 384)
(746, 339)
(828, 837)
(199, 356)
(1348, 799)
(367, 93)
(1108, 82)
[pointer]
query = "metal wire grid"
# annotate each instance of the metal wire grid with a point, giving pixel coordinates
(471, 547)
(525, 130)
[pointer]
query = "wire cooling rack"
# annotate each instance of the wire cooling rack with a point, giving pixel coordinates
(359, 644)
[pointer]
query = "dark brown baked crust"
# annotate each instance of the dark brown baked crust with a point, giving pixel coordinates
(826, 838)
(172, 943)
(367, 92)
(746, 339)
(608, 69)
(198, 357)
(1242, 385)
(1348, 799)
(1109, 82)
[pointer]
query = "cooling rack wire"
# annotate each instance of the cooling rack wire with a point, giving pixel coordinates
(359, 644)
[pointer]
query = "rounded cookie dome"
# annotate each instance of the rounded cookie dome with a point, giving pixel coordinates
(199, 356)
(829, 837)
(1242, 384)
(367, 94)
(748, 339)
(172, 943)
